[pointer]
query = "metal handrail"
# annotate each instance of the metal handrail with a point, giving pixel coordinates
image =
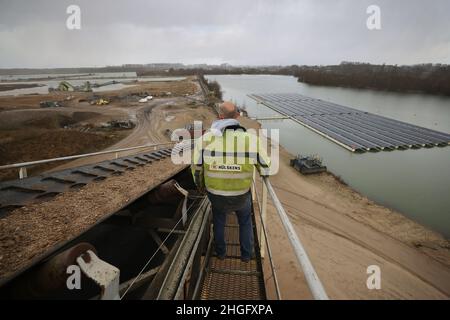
(314, 283)
(267, 243)
(271, 118)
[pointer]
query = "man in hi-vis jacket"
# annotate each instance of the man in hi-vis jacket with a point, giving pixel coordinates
(223, 163)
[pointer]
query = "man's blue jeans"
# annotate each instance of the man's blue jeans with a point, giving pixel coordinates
(242, 206)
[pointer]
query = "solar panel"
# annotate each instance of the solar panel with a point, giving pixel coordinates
(353, 129)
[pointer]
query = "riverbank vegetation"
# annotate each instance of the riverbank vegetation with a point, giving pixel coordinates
(213, 87)
(425, 78)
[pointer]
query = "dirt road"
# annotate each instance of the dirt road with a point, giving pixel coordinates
(155, 121)
(30, 132)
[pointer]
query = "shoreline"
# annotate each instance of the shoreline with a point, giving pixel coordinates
(342, 181)
(344, 232)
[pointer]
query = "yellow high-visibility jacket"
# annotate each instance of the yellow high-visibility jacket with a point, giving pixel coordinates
(224, 165)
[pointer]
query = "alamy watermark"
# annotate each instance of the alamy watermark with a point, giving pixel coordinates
(374, 280)
(373, 22)
(73, 21)
(74, 279)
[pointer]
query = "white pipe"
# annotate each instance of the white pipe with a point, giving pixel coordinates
(269, 250)
(271, 118)
(312, 279)
(263, 212)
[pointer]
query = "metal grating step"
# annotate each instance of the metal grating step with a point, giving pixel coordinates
(222, 285)
(233, 264)
(233, 250)
(232, 279)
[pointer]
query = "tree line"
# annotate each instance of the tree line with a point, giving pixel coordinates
(426, 78)
(213, 86)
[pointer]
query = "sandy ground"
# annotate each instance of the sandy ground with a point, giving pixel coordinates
(335, 225)
(156, 119)
(344, 233)
(28, 132)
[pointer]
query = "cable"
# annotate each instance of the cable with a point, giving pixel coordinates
(154, 254)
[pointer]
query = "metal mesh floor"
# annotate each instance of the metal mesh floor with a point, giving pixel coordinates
(232, 279)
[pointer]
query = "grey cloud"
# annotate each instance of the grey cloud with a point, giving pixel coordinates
(33, 33)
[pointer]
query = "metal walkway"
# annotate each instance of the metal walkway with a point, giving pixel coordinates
(232, 279)
(17, 193)
(355, 130)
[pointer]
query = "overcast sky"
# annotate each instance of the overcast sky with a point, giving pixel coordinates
(240, 32)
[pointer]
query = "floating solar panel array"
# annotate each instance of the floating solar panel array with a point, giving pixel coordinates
(355, 130)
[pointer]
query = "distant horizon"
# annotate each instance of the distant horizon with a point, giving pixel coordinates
(197, 65)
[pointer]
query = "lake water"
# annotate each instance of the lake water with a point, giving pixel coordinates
(414, 182)
(76, 80)
(69, 76)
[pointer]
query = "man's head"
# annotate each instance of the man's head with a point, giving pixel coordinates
(228, 110)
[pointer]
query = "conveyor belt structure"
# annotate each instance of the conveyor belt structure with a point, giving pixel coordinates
(17, 193)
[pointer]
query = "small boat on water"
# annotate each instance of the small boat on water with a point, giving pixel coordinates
(308, 164)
